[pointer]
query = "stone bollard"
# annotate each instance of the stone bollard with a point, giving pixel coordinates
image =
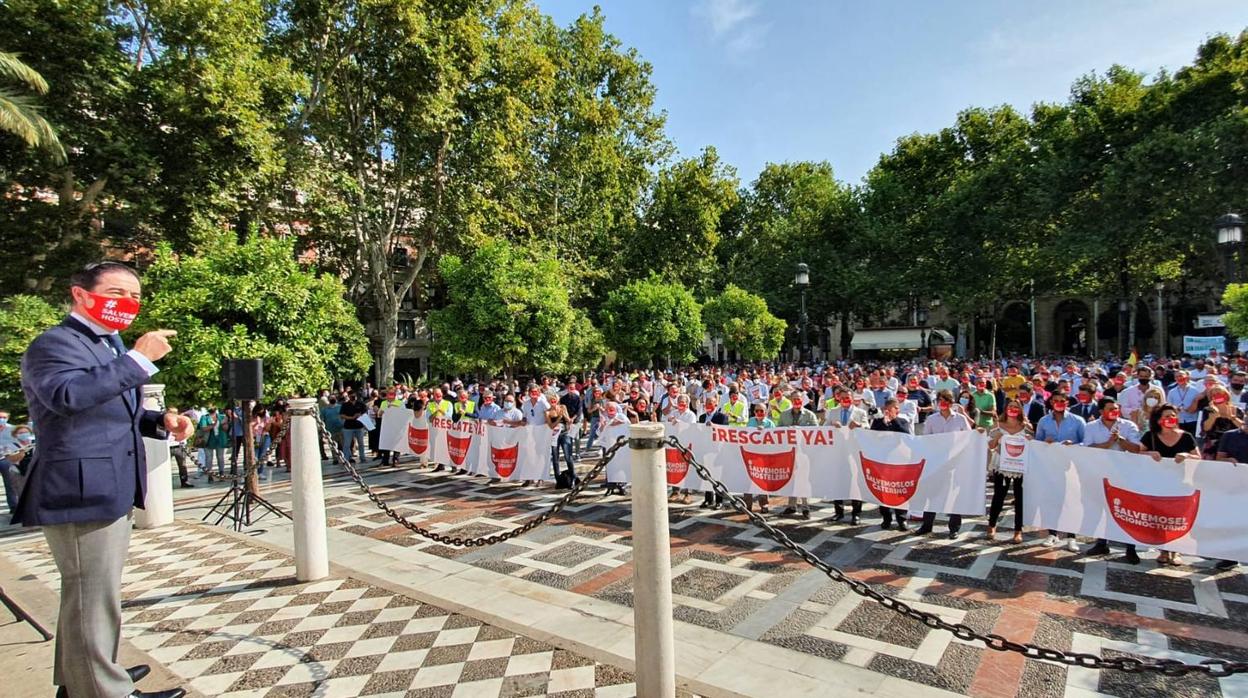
(307, 494)
(158, 503)
(653, 644)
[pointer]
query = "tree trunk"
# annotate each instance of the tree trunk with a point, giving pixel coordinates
(846, 339)
(1131, 329)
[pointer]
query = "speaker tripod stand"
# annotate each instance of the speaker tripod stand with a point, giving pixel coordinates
(237, 505)
(238, 502)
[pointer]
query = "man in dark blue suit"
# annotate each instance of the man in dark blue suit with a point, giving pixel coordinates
(83, 390)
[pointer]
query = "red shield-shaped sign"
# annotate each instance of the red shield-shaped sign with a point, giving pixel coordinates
(457, 447)
(1152, 519)
(770, 471)
(893, 484)
(418, 439)
(677, 466)
(504, 459)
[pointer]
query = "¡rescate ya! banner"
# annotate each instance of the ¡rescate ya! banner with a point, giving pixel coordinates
(1194, 506)
(942, 473)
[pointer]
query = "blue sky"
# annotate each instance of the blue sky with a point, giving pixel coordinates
(781, 80)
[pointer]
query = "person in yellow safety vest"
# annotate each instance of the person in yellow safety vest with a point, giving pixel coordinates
(777, 404)
(390, 400)
(464, 409)
(438, 408)
(735, 409)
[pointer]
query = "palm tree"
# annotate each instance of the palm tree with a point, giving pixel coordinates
(19, 113)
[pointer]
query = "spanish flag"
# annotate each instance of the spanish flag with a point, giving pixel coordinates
(1135, 358)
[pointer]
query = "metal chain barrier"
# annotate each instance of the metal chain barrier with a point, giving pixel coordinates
(1167, 667)
(336, 454)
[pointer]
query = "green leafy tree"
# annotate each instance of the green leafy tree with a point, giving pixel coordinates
(19, 113)
(742, 320)
(1235, 300)
(22, 318)
(684, 214)
(652, 319)
(170, 113)
(249, 300)
(586, 347)
(507, 309)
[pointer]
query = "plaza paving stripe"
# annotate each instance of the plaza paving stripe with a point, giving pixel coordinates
(229, 618)
(742, 584)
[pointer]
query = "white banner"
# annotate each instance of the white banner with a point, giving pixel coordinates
(1194, 507)
(504, 452)
(943, 472)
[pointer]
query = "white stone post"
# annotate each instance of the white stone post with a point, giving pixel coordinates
(653, 644)
(308, 495)
(158, 504)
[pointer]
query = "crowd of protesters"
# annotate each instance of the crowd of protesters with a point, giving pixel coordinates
(1164, 408)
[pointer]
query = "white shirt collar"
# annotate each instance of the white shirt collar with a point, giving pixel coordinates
(93, 325)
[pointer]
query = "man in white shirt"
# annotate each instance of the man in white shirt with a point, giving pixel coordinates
(535, 407)
(944, 381)
(943, 421)
(1113, 433)
(1131, 399)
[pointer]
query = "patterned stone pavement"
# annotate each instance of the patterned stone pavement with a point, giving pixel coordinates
(230, 619)
(729, 577)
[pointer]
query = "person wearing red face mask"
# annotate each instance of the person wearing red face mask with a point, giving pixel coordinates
(1184, 397)
(1220, 416)
(944, 420)
(1014, 424)
(83, 389)
(1059, 426)
(1114, 433)
(1167, 439)
(1085, 403)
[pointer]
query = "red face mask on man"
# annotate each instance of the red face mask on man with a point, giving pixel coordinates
(111, 312)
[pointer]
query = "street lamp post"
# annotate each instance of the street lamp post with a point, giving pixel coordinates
(921, 316)
(1124, 317)
(1162, 335)
(802, 281)
(1230, 231)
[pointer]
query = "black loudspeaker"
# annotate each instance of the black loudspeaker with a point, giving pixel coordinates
(242, 379)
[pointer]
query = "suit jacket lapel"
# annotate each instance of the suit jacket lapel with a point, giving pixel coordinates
(99, 347)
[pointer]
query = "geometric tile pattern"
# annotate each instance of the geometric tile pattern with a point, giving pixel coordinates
(728, 576)
(230, 619)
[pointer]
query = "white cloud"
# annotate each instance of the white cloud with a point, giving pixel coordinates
(734, 23)
(725, 15)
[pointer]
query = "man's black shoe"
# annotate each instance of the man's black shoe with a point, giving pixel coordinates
(805, 514)
(1226, 564)
(901, 525)
(186, 484)
(853, 520)
(953, 535)
(171, 693)
(137, 674)
(923, 530)
(790, 511)
(838, 516)
(1131, 558)
(1100, 549)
